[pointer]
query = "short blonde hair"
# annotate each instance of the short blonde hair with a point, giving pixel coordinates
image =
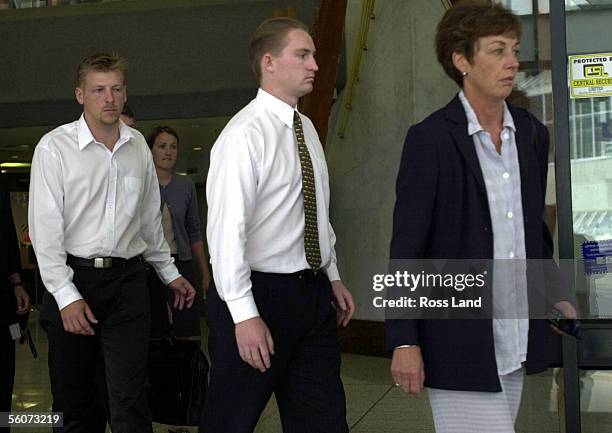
(102, 62)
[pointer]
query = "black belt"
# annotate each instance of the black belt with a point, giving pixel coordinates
(103, 262)
(304, 274)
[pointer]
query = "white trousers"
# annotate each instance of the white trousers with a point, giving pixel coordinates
(478, 412)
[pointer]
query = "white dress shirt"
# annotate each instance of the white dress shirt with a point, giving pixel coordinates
(255, 203)
(502, 177)
(90, 202)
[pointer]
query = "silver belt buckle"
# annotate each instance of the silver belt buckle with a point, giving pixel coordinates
(103, 262)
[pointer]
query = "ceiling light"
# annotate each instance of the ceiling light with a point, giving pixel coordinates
(15, 156)
(197, 148)
(15, 164)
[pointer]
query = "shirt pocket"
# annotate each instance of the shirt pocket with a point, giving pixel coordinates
(320, 168)
(132, 187)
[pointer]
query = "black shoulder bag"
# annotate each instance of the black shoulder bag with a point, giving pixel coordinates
(178, 378)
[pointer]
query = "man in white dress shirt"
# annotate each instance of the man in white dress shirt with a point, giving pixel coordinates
(272, 322)
(94, 218)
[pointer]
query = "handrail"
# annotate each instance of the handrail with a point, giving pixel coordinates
(367, 14)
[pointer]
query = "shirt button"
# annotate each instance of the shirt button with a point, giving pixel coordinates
(511, 255)
(510, 214)
(505, 136)
(506, 175)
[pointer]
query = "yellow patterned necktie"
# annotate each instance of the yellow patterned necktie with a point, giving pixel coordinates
(311, 229)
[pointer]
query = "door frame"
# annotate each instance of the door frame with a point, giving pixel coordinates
(573, 359)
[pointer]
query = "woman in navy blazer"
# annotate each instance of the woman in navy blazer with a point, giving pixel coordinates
(443, 211)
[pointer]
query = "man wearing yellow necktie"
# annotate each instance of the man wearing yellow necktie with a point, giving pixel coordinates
(278, 291)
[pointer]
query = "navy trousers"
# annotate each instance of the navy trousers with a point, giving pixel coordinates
(305, 371)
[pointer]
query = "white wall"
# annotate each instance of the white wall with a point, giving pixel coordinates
(400, 84)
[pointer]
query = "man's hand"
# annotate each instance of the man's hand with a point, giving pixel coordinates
(407, 369)
(23, 300)
(77, 318)
(184, 293)
(345, 306)
(568, 311)
(255, 343)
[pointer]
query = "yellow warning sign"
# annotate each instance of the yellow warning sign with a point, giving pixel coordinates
(590, 75)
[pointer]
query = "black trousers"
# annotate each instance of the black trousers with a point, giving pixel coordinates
(86, 372)
(305, 372)
(7, 372)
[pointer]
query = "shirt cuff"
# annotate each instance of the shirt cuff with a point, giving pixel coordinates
(405, 346)
(66, 295)
(332, 272)
(168, 274)
(242, 309)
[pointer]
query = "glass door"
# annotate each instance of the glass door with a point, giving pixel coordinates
(565, 80)
(581, 50)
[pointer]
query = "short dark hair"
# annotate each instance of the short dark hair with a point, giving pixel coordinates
(271, 37)
(102, 62)
(159, 130)
(466, 22)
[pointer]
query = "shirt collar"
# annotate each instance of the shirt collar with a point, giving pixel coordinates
(85, 136)
(279, 108)
(474, 124)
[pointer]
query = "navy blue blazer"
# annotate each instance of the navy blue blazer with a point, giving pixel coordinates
(442, 211)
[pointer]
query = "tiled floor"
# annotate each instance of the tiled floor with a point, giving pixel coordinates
(374, 405)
